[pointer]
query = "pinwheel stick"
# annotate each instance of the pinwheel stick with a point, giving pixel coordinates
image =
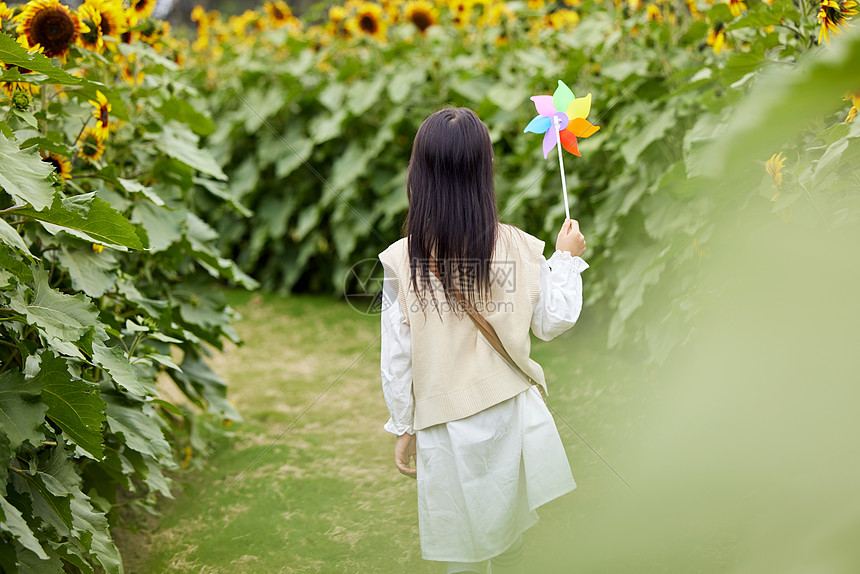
(555, 121)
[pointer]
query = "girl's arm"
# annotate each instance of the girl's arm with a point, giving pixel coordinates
(560, 300)
(396, 363)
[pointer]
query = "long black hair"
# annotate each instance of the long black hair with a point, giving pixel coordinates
(452, 204)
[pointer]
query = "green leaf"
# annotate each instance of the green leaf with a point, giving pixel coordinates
(139, 428)
(91, 272)
(101, 545)
(363, 94)
(179, 142)
(200, 236)
(10, 237)
(653, 131)
(402, 83)
(21, 412)
(90, 217)
(24, 174)
(11, 52)
(197, 378)
(163, 226)
(185, 112)
(13, 522)
(116, 363)
(73, 404)
(66, 317)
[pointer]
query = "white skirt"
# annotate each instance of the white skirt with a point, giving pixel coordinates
(481, 478)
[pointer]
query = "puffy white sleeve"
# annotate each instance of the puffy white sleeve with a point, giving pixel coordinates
(560, 300)
(396, 363)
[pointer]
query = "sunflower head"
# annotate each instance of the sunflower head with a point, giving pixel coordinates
(112, 20)
(51, 25)
(368, 21)
(102, 114)
(717, 37)
(90, 145)
(774, 168)
(21, 100)
(833, 15)
(421, 14)
(140, 10)
(62, 166)
(92, 19)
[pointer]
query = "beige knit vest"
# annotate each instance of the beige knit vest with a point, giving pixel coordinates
(455, 371)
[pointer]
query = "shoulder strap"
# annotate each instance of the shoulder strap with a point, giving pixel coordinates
(488, 331)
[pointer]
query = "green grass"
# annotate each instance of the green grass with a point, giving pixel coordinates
(325, 495)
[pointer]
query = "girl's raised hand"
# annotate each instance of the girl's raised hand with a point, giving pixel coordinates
(403, 449)
(570, 238)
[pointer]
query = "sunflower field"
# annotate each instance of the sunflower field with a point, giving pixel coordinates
(142, 165)
(107, 278)
(317, 115)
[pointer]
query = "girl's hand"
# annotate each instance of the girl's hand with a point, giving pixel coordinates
(403, 449)
(570, 238)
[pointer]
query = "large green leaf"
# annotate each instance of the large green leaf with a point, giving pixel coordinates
(73, 404)
(116, 363)
(24, 175)
(66, 317)
(21, 412)
(138, 426)
(10, 237)
(94, 528)
(13, 522)
(90, 217)
(179, 142)
(91, 272)
(11, 52)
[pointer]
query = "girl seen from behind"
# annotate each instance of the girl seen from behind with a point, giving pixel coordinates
(486, 449)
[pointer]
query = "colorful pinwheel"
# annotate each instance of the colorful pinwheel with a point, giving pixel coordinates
(570, 112)
(567, 125)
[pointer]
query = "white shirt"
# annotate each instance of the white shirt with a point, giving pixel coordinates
(481, 478)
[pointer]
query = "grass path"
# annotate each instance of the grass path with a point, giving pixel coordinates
(325, 495)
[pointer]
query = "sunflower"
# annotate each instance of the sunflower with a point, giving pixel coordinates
(102, 115)
(278, 12)
(112, 19)
(694, 9)
(127, 65)
(736, 7)
(90, 145)
(562, 19)
(98, 248)
(368, 21)
(5, 12)
(50, 25)
(461, 11)
(140, 10)
(92, 18)
(61, 164)
(855, 105)
(717, 38)
(421, 13)
(833, 15)
(774, 169)
(652, 11)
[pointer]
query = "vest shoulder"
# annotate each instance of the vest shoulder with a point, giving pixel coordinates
(395, 249)
(523, 240)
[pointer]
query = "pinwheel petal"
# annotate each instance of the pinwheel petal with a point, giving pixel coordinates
(544, 106)
(579, 108)
(582, 128)
(562, 96)
(538, 125)
(568, 142)
(549, 141)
